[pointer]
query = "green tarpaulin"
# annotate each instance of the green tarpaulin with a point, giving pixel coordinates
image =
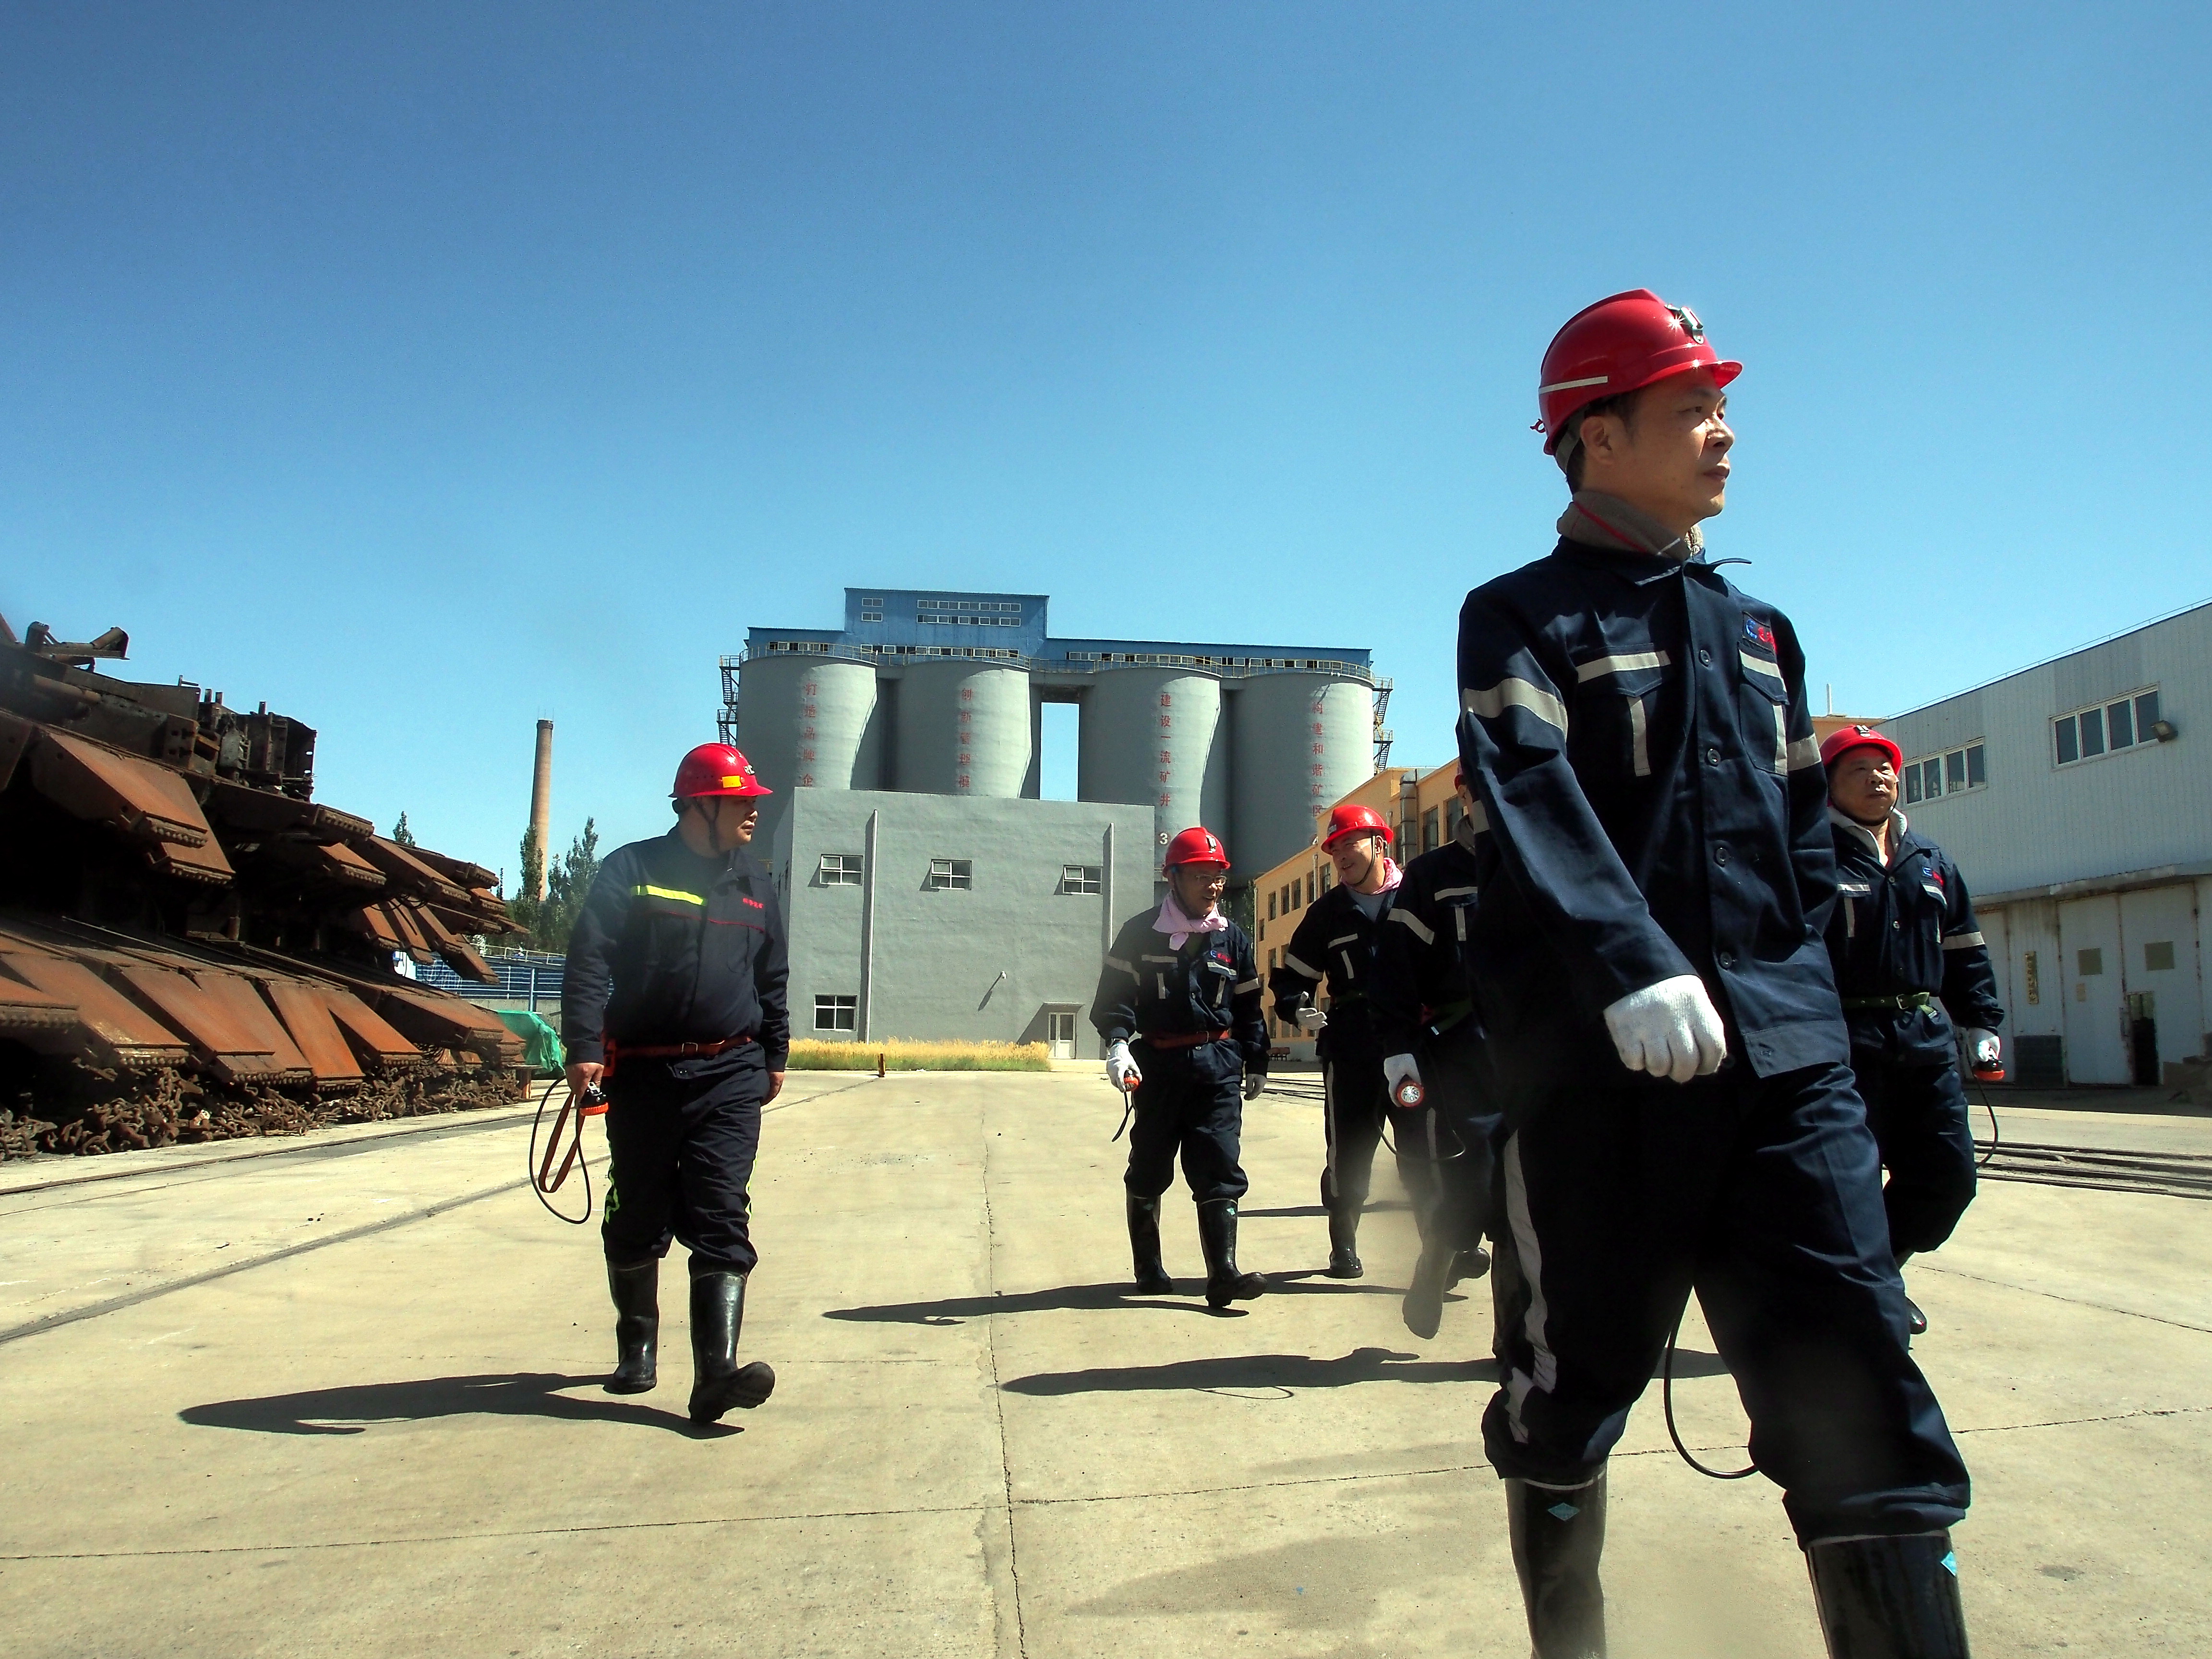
(541, 1043)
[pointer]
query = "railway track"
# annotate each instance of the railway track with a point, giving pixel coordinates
(2173, 1175)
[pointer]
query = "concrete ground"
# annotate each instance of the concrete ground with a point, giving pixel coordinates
(341, 1395)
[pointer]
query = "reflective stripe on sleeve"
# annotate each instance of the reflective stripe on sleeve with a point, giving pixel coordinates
(1422, 931)
(1292, 963)
(1804, 754)
(1516, 694)
(666, 893)
(1962, 941)
(1627, 662)
(1244, 985)
(1120, 966)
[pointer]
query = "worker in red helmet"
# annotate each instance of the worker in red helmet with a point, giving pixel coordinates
(1178, 1009)
(1910, 961)
(1660, 1018)
(1334, 947)
(673, 1000)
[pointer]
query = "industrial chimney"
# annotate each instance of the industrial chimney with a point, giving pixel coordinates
(541, 805)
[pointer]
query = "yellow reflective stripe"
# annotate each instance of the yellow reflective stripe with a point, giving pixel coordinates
(666, 893)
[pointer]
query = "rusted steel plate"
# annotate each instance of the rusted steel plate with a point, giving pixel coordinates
(462, 958)
(409, 873)
(445, 1022)
(25, 1008)
(402, 920)
(307, 1019)
(91, 781)
(206, 865)
(244, 1005)
(369, 1031)
(110, 1026)
(371, 920)
(222, 1042)
(15, 735)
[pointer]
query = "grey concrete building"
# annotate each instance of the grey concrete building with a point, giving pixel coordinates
(954, 917)
(2076, 797)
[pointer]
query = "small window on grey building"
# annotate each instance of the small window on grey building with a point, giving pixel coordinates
(1081, 877)
(2120, 724)
(2146, 717)
(836, 1013)
(841, 869)
(2092, 722)
(2158, 957)
(2089, 963)
(946, 874)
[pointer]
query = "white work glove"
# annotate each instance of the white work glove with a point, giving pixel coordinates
(1312, 1021)
(1254, 1082)
(1120, 1070)
(1983, 1046)
(1670, 1030)
(1397, 1069)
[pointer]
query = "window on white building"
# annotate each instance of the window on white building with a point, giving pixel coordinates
(836, 1013)
(1950, 773)
(948, 874)
(2108, 728)
(841, 869)
(1081, 877)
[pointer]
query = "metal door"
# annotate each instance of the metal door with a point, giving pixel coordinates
(2158, 934)
(1060, 1031)
(2097, 1047)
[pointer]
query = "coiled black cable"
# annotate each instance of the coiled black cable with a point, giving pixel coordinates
(540, 1183)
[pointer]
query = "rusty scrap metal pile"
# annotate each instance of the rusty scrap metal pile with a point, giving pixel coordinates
(192, 947)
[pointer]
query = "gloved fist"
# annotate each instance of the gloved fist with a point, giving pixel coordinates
(1312, 1021)
(1121, 1070)
(1254, 1082)
(1983, 1047)
(1670, 1030)
(1397, 1069)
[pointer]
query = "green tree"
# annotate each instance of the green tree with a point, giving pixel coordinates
(567, 883)
(401, 833)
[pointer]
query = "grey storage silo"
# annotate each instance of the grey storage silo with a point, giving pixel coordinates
(808, 722)
(1303, 741)
(963, 728)
(1156, 737)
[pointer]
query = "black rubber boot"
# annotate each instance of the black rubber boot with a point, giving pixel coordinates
(636, 1291)
(1217, 1237)
(1470, 1263)
(718, 1381)
(1144, 1247)
(1558, 1539)
(1915, 1320)
(1343, 1260)
(1424, 1307)
(1889, 1598)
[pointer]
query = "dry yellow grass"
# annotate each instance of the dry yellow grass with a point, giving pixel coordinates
(906, 1055)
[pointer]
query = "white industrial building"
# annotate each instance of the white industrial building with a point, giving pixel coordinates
(2076, 797)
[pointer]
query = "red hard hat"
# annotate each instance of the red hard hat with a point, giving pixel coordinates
(1353, 821)
(1196, 845)
(1618, 345)
(1846, 738)
(715, 769)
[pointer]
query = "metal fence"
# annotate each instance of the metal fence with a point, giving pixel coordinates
(527, 978)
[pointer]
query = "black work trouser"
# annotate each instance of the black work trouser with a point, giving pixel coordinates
(1191, 1101)
(681, 1137)
(1447, 1149)
(1918, 1112)
(1355, 1107)
(1764, 1195)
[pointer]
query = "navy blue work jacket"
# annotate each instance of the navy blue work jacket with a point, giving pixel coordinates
(1334, 942)
(1423, 968)
(1902, 928)
(1637, 731)
(671, 947)
(1146, 989)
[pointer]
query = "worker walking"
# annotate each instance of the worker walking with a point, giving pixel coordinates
(1178, 1005)
(1431, 1035)
(674, 999)
(1662, 1022)
(1902, 935)
(1335, 943)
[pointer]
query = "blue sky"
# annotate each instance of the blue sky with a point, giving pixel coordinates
(425, 369)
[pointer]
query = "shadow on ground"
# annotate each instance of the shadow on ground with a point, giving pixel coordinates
(1078, 1298)
(353, 1409)
(1259, 1371)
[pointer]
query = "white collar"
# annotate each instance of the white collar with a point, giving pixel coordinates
(1897, 827)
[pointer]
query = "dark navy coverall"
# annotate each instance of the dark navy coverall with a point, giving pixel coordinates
(1637, 731)
(1192, 1098)
(1424, 1004)
(1334, 941)
(673, 948)
(1903, 934)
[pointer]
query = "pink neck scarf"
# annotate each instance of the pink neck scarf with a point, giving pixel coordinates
(1178, 926)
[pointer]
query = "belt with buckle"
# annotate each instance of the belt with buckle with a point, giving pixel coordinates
(1188, 1040)
(1922, 1000)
